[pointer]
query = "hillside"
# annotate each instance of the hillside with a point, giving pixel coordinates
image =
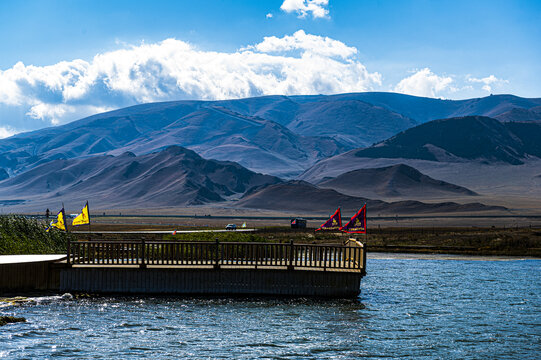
(304, 197)
(172, 177)
(521, 115)
(470, 138)
(393, 181)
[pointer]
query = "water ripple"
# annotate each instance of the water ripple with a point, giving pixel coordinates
(417, 308)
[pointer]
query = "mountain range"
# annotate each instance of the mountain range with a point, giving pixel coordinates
(174, 176)
(350, 147)
(277, 135)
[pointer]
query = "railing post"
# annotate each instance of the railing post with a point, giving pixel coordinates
(290, 265)
(363, 271)
(217, 255)
(69, 253)
(256, 255)
(143, 264)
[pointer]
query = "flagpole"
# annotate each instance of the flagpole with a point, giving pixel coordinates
(365, 224)
(89, 226)
(64, 216)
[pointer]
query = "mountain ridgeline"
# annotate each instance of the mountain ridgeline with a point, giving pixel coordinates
(277, 135)
(171, 177)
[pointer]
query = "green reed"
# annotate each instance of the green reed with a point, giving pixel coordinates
(22, 235)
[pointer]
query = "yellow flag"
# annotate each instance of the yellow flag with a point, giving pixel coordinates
(83, 218)
(60, 221)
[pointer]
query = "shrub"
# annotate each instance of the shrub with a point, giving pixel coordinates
(22, 235)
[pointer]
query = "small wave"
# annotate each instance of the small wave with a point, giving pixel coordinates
(262, 345)
(128, 325)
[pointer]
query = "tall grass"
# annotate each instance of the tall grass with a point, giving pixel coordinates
(21, 235)
(230, 236)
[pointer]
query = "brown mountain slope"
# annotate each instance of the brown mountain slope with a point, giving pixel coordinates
(393, 181)
(301, 196)
(172, 177)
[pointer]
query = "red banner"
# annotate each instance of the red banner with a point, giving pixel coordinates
(334, 222)
(357, 224)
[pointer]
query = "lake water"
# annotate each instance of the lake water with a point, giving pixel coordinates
(417, 308)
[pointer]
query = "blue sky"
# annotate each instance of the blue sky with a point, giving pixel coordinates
(62, 60)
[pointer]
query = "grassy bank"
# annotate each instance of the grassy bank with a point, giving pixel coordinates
(470, 241)
(20, 235)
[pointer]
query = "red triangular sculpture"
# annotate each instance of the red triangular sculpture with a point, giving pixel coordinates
(357, 224)
(334, 222)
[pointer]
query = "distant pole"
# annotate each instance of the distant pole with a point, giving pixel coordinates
(64, 215)
(89, 227)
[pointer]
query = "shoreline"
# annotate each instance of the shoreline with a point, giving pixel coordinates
(376, 255)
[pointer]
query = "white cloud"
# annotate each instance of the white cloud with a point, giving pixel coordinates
(488, 82)
(6, 131)
(269, 16)
(173, 69)
(317, 8)
(312, 44)
(425, 83)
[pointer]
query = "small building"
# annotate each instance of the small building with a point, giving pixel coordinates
(298, 223)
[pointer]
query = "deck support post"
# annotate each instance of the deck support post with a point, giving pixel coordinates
(68, 260)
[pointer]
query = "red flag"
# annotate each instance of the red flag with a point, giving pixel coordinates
(334, 222)
(357, 224)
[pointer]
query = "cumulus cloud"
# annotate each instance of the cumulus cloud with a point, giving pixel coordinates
(425, 83)
(173, 69)
(317, 8)
(6, 131)
(269, 16)
(307, 43)
(488, 82)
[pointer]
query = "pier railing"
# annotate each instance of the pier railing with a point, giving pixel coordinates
(217, 254)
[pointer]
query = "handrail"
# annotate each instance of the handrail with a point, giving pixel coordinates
(144, 253)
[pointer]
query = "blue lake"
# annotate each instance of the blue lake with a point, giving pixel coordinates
(417, 308)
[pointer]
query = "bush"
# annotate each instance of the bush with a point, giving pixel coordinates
(21, 235)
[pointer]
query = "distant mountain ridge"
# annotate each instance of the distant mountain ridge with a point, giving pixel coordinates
(302, 196)
(392, 181)
(279, 135)
(172, 177)
(521, 115)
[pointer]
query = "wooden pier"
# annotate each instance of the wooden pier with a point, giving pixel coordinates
(211, 268)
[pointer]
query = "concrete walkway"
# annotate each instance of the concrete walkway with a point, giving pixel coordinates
(20, 259)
